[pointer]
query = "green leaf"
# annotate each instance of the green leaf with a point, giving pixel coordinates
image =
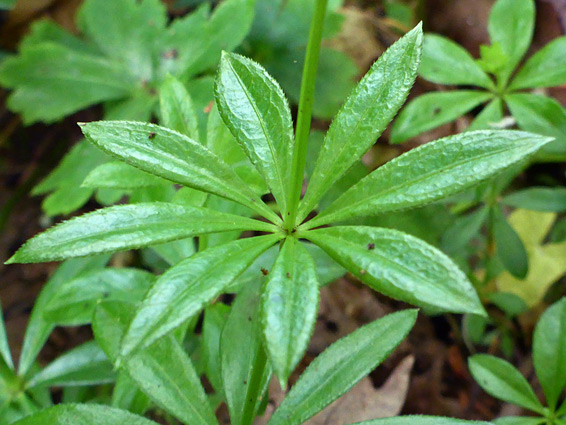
(163, 370)
(549, 351)
(519, 420)
(118, 175)
(399, 266)
(365, 115)
(500, 379)
(84, 414)
(246, 371)
(85, 365)
(290, 304)
(75, 301)
(510, 248)
(7, 4)
(434, 109)
(445, 62)
(463, 230)
(4, 346)
(421, 420)
(41, 73)
(542, 115)
(257, 113)
(127, 395)
(511, 25)
(184, 289)
(38, 329)
(341, 366)
(125, 227)
(215, 317)
(546, 199)
(489, 117)
(198, 41)
(128, 40)
(327, 270)
(493, 58)
(174, 157)
(546, 68)
(177, 110)
(432, 172)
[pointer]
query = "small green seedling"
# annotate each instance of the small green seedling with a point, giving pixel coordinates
(511, 25)
(502, 380)
(280, 312)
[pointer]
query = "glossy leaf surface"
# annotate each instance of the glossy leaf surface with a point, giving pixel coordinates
(118, 175)
(163, 371)
(549, 351)
(257, 113)
(445, 62)
(365, 115)
(126, 227)
(85, 365)
(75, 301)
(341, 366)
(290, 304)
(177, 109)
(84, 414)
(184, 289)
(432, 172)
(399, 266)
(172, 156)
(246, 371)
(501, 379)
(431, 110)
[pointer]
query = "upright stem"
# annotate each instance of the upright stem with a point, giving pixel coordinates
(305, 112)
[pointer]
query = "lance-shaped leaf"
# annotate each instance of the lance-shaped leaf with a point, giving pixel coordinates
(177, 110)
(85, 365)
(246, 371)
(544, 199)
(400, 266)
(118, 175)
(4, 346)
(74, 302)
(432, 172)
(215, 317)
(172, 156)
(549, 351)
(163, 371)
(421, 420)
(445, 62)
(341, 366)
(501, 379)
(257, 113)
(184, 289)
(364, 116)
(290, 303)
(38, 328)
(84, 414)
(547, 68)
(434, 109)
(510, 248)
(511, 25)
(489, 118)
(126, 227)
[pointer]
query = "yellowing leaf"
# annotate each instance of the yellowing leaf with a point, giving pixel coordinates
(546, 261)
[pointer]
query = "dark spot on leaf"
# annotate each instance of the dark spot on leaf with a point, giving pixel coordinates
(288, 275)
(245, 382)
(105, 295)
(436, 111)
(249, 318)
(265, 272)
(371, 246)
(171, 54)
(151, 135)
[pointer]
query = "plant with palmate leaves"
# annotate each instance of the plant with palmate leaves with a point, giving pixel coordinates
(496, 79)
(255, 110)
(502, 380)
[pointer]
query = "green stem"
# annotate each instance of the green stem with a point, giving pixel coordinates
(305, 113)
